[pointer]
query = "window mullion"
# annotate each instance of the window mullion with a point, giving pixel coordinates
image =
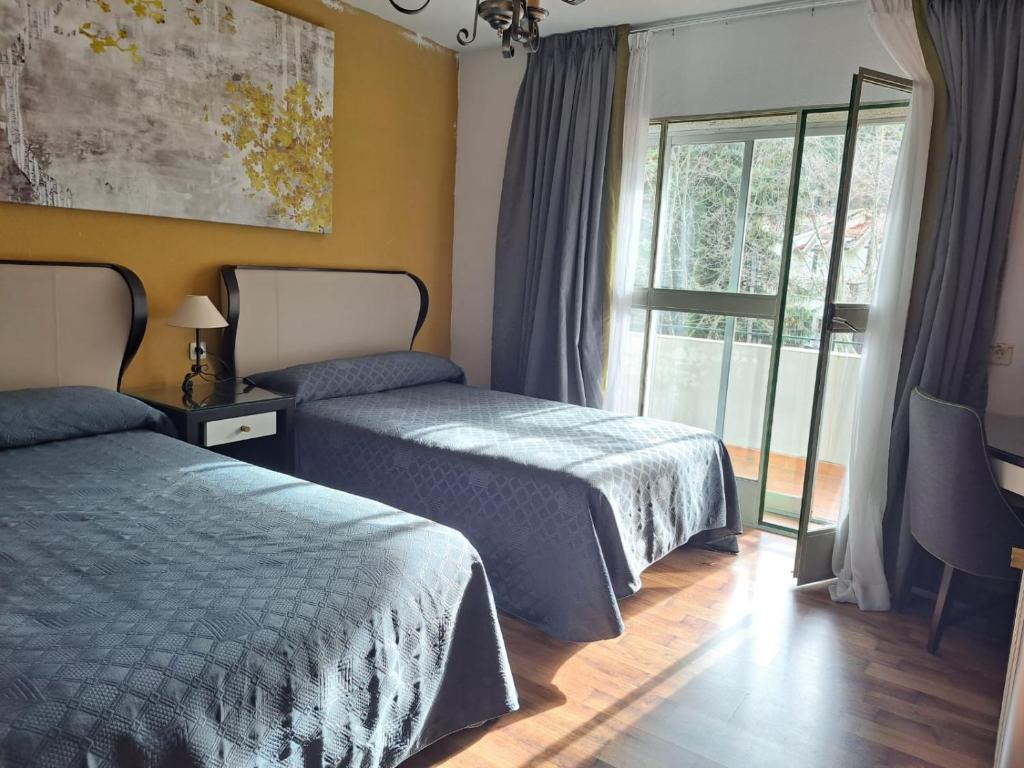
(741, 216)
(734, 285)
(663, 161)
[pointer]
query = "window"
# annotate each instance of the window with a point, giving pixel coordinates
(709, 277)
(707, 283)
(703, 186)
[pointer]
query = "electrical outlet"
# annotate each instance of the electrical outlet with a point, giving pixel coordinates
(1001, 354)
(192, 350)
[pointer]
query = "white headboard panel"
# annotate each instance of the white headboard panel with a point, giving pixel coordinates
(68, 324)
(280, 316)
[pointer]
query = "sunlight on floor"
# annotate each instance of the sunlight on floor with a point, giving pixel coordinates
(726, 663)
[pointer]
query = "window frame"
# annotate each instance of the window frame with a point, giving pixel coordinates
(732, 304)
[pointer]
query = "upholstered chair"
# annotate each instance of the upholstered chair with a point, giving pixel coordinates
(958, 512)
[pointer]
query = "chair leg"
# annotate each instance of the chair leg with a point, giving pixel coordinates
(939, 614)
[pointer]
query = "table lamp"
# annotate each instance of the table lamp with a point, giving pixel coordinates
(196, 312)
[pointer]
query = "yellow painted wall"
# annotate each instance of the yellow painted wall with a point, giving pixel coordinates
(395, 109)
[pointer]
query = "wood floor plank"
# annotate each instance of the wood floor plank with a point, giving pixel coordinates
(726, 664)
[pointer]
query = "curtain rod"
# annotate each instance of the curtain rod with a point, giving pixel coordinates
(765, 9)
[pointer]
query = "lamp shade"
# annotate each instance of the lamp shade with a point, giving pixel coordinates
(197, 312)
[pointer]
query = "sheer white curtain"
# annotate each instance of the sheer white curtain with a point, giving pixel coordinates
(631, 201)
(857, 559)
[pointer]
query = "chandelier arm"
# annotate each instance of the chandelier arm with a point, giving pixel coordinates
(508, 50)
(532, 43)
(411, 11)
(518, 13)
(464, 37)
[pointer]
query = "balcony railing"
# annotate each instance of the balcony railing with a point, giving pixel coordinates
(684, 385)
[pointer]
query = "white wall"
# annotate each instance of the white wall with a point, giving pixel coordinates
(488, 85)
(1006, 382)
(796, 59)
(785, 60)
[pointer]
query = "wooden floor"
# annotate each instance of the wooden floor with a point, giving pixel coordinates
(725, 663)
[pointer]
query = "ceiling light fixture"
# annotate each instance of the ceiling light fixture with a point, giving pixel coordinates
(515, 21)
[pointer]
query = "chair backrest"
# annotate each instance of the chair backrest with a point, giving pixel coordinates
(957, 510)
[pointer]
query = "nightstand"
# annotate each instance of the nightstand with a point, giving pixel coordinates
(231, 418)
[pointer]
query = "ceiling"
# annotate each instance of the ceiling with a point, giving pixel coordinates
(442, 19)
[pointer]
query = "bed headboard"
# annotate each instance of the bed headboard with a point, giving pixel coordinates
(284, 316)
(67, 324)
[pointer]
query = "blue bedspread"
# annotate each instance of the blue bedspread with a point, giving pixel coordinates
(566, 505)
(164, 606)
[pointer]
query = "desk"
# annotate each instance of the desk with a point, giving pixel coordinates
(1006, 444)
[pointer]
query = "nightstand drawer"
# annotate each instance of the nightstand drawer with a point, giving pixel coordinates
(242, 428)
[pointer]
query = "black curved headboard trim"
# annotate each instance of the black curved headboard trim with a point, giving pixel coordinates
(136, 290)
(234, 298)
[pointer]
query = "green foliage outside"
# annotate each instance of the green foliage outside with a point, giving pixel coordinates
(701, 226)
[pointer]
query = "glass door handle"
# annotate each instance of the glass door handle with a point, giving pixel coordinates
(842, 325)
(847, 318)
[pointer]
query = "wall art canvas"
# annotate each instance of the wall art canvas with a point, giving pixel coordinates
(217, 110)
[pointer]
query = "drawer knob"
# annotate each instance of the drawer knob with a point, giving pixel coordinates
(245, 428)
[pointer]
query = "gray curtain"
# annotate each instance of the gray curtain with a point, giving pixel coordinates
(980, 48)
(552, 260)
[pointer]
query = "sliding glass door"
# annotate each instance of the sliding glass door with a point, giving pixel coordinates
(809, 243)
(732, 288)
(857, 238)
(707, 287)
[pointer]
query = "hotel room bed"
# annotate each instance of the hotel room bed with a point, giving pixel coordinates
(566, 505)
(161, 605)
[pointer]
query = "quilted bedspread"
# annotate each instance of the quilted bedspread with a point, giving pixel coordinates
(164, 606)
(566, 505)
